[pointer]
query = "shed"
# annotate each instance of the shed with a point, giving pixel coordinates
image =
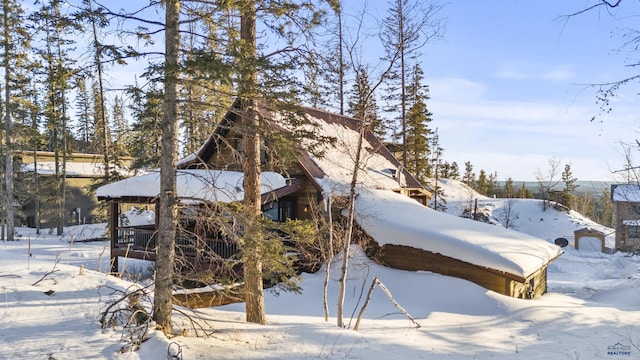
(406, 235)
(588, 239)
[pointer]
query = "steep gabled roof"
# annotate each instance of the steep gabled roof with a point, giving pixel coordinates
(381, 168)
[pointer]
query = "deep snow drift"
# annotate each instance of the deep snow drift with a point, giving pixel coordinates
(590, 312)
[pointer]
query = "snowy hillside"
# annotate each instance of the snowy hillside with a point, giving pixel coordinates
(526, 215)
(590, 312)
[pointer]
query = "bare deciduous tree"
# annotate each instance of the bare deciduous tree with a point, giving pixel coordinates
(547, 181)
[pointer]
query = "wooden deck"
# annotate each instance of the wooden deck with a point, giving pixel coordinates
(140, 243)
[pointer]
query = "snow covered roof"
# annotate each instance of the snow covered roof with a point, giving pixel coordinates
(376, 170)
(631, 222)
(391, 218)
(73, 169)
(379, 169)
(626, 193)
(209, 185)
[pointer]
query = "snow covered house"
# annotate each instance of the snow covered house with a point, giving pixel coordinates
(81, 171)
(213, 174)
(626, 213)
(398, 229)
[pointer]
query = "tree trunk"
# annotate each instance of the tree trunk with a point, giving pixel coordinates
(252, 261)
(351, 216)
(7, 119)
(342, 65)
(163, 294)
(36, 182)
(327, 275)
(403, 78)
(62, 189)
(102, 116)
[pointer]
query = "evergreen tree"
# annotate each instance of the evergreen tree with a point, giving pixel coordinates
(121, 130)
(524, 192)
(15, 47)
(469, 177)
(58, 69)
(493, 187)
(454, 171)
(445, 170)
(146, 108)
(605, 209)
(101, 123)
(272, 79)
(362, 101)
(103, 137)
(333, 66)
(418, 132)
(569, 186)
(206, 83)
(84, 115)
(508, 191)
(406, 29)
(167, 210)
(438, 200)
(482, 185)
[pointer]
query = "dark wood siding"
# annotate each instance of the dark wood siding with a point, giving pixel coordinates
(408, 258)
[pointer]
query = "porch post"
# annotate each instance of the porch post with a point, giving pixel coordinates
(113, 232)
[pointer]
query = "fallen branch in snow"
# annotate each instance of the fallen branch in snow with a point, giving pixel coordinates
(12, 276)
(375, 282)
(195, 324)
(124, 308)
(134, 333)
(174, 354)
(54, 270)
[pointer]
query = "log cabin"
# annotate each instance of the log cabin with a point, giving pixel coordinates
(213, 174)
(312, 178)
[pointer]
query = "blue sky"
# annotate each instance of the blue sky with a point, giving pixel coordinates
(508, 80)
(508, 90)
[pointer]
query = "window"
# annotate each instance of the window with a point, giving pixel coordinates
(633, 231)
(237, 144)
(634, 209)
(270, 210)
(280, 210)
(263, 154)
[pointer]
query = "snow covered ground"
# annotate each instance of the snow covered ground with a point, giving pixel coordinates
(592, 309)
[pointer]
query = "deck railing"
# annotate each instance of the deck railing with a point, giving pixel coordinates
(144, 239)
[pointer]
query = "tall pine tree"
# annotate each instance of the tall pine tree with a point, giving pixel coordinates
(362, 101)
(406, 29)
(15, 46)
(58, 69)
(418, 132)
